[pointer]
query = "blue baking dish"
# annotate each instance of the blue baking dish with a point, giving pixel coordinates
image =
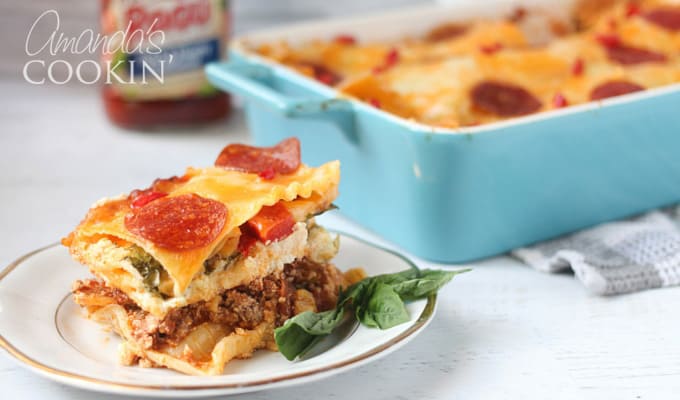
(464, 194)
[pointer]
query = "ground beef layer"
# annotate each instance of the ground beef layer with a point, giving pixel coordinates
(272, 298)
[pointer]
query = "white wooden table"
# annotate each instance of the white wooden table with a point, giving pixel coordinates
(501, 331)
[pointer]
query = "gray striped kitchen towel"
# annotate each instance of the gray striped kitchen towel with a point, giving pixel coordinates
(618, 257)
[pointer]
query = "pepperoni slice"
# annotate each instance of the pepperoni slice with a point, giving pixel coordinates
(445, 32)
(628, 55)
(503, 99)
(178, 223)
(667, 18)
(614, 88)
(284, 158)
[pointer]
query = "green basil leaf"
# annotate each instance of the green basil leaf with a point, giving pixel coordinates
(384, 308)
(393, 279)
(377, 302)
(427, 283)
(357, 293)
(359, 296)
(300, 333)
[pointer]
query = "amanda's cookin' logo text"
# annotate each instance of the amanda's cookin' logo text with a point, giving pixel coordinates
(57, 51)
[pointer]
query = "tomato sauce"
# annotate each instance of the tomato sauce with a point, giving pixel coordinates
(154, 69)
(146, 114)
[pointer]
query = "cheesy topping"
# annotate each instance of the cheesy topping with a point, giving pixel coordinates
(243, 194)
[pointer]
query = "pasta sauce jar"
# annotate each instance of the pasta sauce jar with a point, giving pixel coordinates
(154, 59)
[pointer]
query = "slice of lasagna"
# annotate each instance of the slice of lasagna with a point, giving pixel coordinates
(197, 270)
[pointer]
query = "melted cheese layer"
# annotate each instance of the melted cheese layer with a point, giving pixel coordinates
(432, 81)
(243, 194)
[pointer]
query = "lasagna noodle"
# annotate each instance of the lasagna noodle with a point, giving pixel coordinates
(243, 194)
(223, 345)
(200, 340)
(106, 260)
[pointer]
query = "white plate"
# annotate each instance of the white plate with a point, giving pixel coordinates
(46, 331)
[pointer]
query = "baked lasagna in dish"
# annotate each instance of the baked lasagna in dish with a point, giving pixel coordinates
(466, 74)
(200, 269)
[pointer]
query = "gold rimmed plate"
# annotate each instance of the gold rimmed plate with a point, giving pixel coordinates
(46, 331)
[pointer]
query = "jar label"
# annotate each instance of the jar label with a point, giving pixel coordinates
(159, 48)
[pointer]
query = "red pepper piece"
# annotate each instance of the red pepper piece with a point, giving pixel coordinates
(391, 59)
(271, 223)
(577, 67)
(345, 39)
(491, 48)
(559, 101)
(322, 73)
(140, 198)
(246, 243)
(268, 174)
(609, 40)
(632, 9)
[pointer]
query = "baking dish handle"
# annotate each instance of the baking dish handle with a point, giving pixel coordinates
(246, 80)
